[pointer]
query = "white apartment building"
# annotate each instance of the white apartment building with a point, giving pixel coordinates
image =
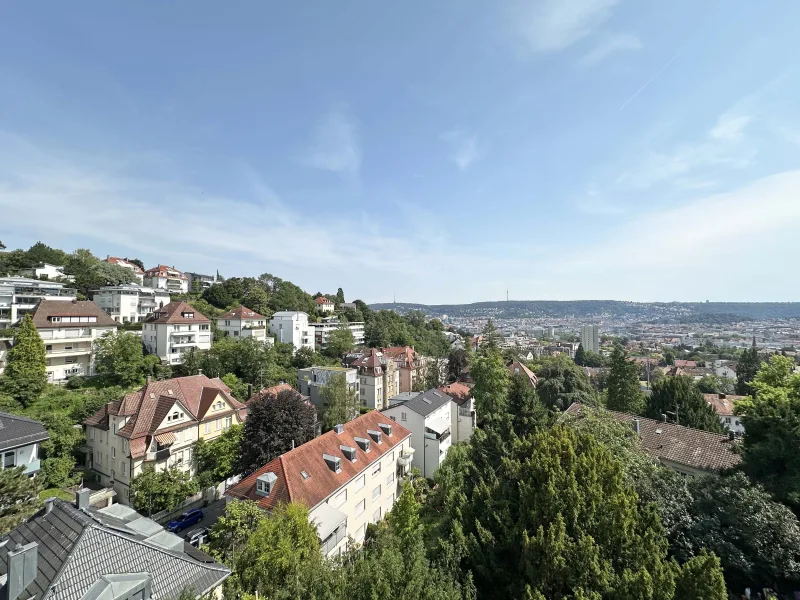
(322, 330)
(590, 338)
(310, 381)
(427, 415)
(462, 411)
(199, 282)
(46, 271)
(174, 329)
(291, 327)
(19, 443)
(348, 477)
(166, 278)
(68, 330)
(129, 303)
(121, 262)
(20, 295)
(379, 378)
(157, 426)
(242, 322)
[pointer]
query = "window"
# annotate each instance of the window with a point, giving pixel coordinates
(361, 482)
(125, 445)
(340, 499)
(728, 420)
(219, 424)
(361, 533)
(91, 432)
(70, 359)
(124, 468)
(68, 347)
(376, 492)
(393, 419)
(360, 507)
(203, 327)
(376, 516)
(208, 426)
(112, 474)
(391, 501)
(228, 421)
(376, 469)
(402, 416)
(48, 348)
(113, 452)
(8, 460)
(390, 478)
(227, 323)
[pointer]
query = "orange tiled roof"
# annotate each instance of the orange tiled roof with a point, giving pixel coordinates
(124, 263)
(722, 403)
(165, 271)
(172, 314)
(242, 313)
(457, 391)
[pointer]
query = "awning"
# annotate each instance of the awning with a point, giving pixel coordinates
(439, 425)
(326, 519)
(165, 438)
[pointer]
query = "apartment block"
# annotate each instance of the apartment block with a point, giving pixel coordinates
(427, 416)
(291, 327)
(173, 329)
(379, 378)
(157, 426)
(130, 303)
(68, 330)
(46, 271)
(242, 322)
(199, 282)
(348, 477)
(590, 338)
(409, 363)
(167, 278)
(121, 262)
(310, 382)
(327, 326)
(20, 295)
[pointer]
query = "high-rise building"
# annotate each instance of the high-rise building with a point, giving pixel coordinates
(590, 338)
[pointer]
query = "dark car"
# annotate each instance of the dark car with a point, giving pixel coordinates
(187, 519)
(197, 536)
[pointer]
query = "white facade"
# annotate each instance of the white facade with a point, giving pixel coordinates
(69, 348)
(462, 417)
(292, 327)
(20, 295)
(724, 368)
(322, 330)
(130, 303)
(590, 338)
(169, 342)
(23, 456)
(166, 278)
(47, 271)
(325, 305)
(239, 325)
(121, 262)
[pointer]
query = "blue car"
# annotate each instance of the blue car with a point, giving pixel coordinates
(187, 519)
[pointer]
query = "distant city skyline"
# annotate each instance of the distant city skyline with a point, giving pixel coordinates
(445, 153)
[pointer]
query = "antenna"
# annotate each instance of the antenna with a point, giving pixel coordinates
(506, 295)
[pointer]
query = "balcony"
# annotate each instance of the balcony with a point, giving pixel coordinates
(72, 351)
(159, 455)
(183, 343)
(405, 457)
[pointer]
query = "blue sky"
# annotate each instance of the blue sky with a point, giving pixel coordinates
(443, 151)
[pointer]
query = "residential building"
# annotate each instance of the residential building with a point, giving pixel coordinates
(348, 305)
(590, 338)
(242, 322)
(46, 271)
(462, 410)
(173, 329)
(516, 367)
(199, 282)
(310, 382)
(156, 426)
(725, 368)
(68, 330)
(5, 346)
(122, 262)
(19, 442)
(291, 327)
(410, 364)
(323, 329)
(19, 296)
(723, 404)
(78, 552)
(427, 416)
(379, 377)
(130, 303)
(347, 477)
(688, 451)
(324, 305)
(166, 278)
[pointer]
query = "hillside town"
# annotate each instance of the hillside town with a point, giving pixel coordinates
(191, 425)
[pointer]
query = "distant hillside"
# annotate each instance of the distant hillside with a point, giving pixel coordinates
(662, 312)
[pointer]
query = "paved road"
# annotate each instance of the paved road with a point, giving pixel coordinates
(210, 514)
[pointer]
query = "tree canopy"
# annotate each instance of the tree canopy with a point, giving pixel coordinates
(340, 403)
(681, 400)
(153, 491)
(388, 328)
(562, 382)
(119, 358)
(622, 384)
(25, 375)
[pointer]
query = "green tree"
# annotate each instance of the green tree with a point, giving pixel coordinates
(257, 299)
(457, 361)
(679, 398)
(431, 376)
(340, 402)
(25, 375)
(624, 391)
(19, 498)
(561, 382)
(42, 253)
(275, 424)
(404, 517)
(528, 413)
(701, 579)
(216, 460)
(231, 531)
(746, 370)
(669, 357)
(490, 375)
(217, 295)
(119, 358)
(580, 356)
(153, 491)
(339, 296)
(340, 342)
(304, 357)
(237, 386)
(58, 471)
(711, 384)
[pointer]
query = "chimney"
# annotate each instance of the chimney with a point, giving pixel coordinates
(82, 499)
(48, 505)
(731, 436)
(722, 396)
(199, 371)
(663, 418)
(149, 379)
(636, 424)
(23, 566)
(339, 428)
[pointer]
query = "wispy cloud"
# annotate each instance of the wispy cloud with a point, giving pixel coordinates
(465, 149)
(335, 144)
(552, 25)
(617, 43)
(595, 202)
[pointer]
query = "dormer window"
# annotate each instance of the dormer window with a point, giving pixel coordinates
(387, 429)
(363, 443)
(265, 484)
(187, 315)
(349, 453)
(55, 319)
(334, 462)
(375, 435)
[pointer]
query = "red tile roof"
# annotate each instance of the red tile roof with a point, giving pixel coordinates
(242, 313)
(516, 366)
(369, 364)
(173, 312)
(124, 263)
(165, 271)
(685, 363)
(322, 482)
(75, 308)
(459, 392)
(722, 403)
(403, 355)
(323, 300)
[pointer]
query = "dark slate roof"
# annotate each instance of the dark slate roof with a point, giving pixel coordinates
(427, 402)
(19, 431)
(678, 444)
(75, 550)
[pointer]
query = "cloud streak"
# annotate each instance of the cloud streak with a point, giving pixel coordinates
(553, 25)
(651, 80)
(335, 144)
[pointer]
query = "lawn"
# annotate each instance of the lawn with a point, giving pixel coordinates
(58, 493)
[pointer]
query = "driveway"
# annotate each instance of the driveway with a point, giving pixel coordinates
(210, 514)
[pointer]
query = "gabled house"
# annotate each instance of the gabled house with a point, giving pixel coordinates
(242, 322)
(410, 364)
(723, 406)
(166, 278)
(379, 378)
(77, 552)
(347, 477)
(325, 305)
(138, 272)
(516, 367)
(156, 426)
(462, 410)
(173, 329)
(19, 442)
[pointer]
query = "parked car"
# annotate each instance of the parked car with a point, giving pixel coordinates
(197, 536)
(187, 519)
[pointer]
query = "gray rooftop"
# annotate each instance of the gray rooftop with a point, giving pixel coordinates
(424, 403)
(77, 549)
(18, 431)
